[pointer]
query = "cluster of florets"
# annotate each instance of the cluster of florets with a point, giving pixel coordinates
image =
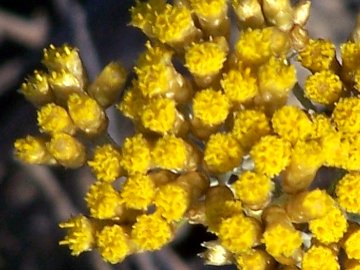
(218, 144)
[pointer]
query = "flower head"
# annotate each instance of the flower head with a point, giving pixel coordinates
(106, 163)
(151, 232)
(113, 243)
(80, 234)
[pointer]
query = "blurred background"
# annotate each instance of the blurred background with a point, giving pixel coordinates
(33, 199)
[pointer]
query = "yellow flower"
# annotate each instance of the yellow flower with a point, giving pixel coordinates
(329, 228)
(159, 115)
(143, 14)
(346, 115)
(281, 241)
(322, 126)
(136, 155)
(205, 58)
(36, 89)
(80, 235)
(254, 259)
(33, 150)
(239, 86)
(106, 163)
(323, 87)
(103, 200)
(351, 244)
(151, 232)
(113, 243)
(318, 55)
(155, 79)
(320, 258)
(253, 189)
(249, 127)
(350, 53)
(174, 24)
(138, 191)
(222, 153)
(132, 103)
(276, 78)
(254, 46)
(208, 8)
(87, 114)
(163, 154)
(348, 192)
(65, 58)
(210, 107)
(67, 150)
(239, 233)
(271, 155)
(291, 123)
(171, 202)
(55, 119)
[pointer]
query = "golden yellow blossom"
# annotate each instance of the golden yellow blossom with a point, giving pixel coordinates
(136, 156)
(159, 115)
(329, 228)
(67, 150)
(132, 103)
(33, 150)
(254, 259)
(80, 235)
(291, 123)
(103, 200)
(65, 58)
(249, 127)
(271, 155)
(253, 189)
(55, 119)
(171, 202)
(352, 244)
(281, 241)
(174, 26)
(163, 154)
(210, 107)
(36, 89)
(276, 78)
(323, 87)
(346, 115)
(138, 191)
(113, 243)
(318, 55)
(239, 86)
(151, 232)
(106, 163)
(87, 114)
(319, 258)
(205, 58)
(348, 192)
(254, 46)
(222, 153)
(239, 233)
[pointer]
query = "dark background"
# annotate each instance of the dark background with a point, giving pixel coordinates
(33, 199)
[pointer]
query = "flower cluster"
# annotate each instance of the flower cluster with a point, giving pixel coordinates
(216, 142)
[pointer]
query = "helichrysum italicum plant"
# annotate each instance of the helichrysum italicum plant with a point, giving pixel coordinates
(227, 118)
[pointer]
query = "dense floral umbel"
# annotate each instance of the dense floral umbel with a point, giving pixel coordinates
(215, 142)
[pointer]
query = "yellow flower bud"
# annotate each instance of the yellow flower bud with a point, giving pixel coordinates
(67, 150)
